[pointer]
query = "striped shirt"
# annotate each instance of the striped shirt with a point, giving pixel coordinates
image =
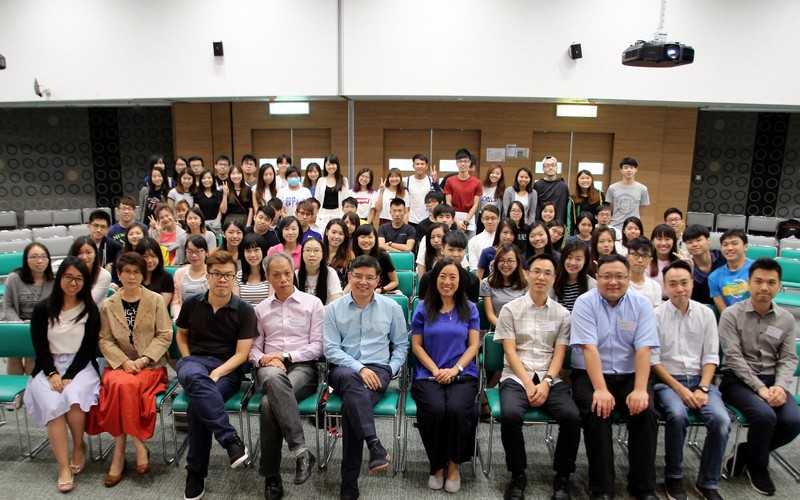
(252, 293)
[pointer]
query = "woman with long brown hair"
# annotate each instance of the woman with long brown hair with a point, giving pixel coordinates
(585, 198)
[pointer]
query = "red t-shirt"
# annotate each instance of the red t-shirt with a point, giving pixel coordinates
(463, 192)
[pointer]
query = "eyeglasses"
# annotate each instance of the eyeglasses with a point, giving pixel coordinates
(557, 232)
(673, 219)
(358, 277)
(37, 257)
(222, 276)
(68, 278)
(312, 250)
(540, 272)
(507, 262)
(463, 160)
(125, 208)
(131, 272)
(613, 277)
(98, 226)
(641, 256)
(194, 252)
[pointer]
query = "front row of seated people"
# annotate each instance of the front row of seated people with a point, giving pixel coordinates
(611, 331)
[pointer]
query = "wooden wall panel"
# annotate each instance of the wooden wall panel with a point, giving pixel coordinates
(447, 142)
(271, 143)
(405, 143)
(660, 138)
(594, 147)
(222, 136)
(192, 131)
(311, 143)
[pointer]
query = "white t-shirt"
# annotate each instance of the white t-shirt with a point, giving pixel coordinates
(423, 250)
(476, 245)
(366, 202)
(334, 286)
(416, 190)
(388, 196)
(521, 199)
(649, 289)
(291, 198)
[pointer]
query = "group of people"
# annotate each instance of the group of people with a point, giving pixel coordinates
(280, 292)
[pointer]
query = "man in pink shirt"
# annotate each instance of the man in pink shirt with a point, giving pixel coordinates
(286, 350)
(463, 191)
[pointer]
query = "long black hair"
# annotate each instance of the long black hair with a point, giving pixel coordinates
(321, 292)
(365, 230)
(252, 240)
(562, 276)
(433, 299)
(430, 252)
(75, 249)
(25, 273)
(163, 191)
(55, 302)
(548, 248)
(154, 246)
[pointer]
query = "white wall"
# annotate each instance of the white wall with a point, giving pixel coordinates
(151, 49)
(93, 50)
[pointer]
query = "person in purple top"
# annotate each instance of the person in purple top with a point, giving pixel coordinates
(286, 350)
(445, 337)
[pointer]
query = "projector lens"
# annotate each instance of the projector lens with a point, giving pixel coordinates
(672, 52)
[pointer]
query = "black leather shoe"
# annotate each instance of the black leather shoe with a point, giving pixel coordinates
(349, 491)
(378, 457)
(516, 488)
(602, 496)
(561, 488)
(273, 488)
(305, 464)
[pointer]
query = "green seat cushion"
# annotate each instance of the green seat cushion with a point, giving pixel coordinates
(790, 284)
(181, 402)
(386, 407)
(12, 386)
(736, 413)
(2, 290)
(307, 406)
(797, 398)
(411, 405)
(530, 415)
(170, 388)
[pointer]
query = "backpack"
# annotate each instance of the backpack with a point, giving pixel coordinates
(788, 228)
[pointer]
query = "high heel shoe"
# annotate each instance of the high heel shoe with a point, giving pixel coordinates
(67, 486)
(145, 468)
(112, 480)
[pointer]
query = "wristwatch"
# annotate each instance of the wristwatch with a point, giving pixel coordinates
(703, 388)
(286, 357)
(145, 360)
(460, 368)
(383, 289)
(549, 380)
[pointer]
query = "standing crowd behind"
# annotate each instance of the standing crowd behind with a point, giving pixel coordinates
(278, 269)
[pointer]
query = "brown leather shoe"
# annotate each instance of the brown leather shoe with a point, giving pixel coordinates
(144, 468)
(112, 481)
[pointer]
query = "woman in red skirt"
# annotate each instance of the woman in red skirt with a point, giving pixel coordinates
(135, 334)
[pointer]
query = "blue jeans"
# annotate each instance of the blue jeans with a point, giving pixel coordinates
(717, 422)
(206, 413)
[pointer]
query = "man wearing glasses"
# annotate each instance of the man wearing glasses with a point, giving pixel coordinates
(612, 334)
(126, 210)
(534, 331)
(107, 249)
(552, 188)
(365, 340)
(463, 192)
(215, 333)
(640, 254)
(673, 217)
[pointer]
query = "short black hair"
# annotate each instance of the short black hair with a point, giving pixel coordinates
(349, 201)
(641, 243)
(419, 156)
(292, 170)
(695, 231)
(766, 264)
(437, 196)
(276, 203)
(605, 206)
(491, 208)
(733, 233)
(455, 239)
(249, 157)
(397, 202)
(131, 259)
(545, 256)
(676, 264)
(196, 158)
(100, 214)
(610, 259)
(266, 210)
(628, 161)
(365, 261)
(444, 208)
(672, 210)
(463, 153)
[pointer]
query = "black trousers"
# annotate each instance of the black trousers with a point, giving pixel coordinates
(642, 434)
(447, 417)
(358, 419)
(559, 405)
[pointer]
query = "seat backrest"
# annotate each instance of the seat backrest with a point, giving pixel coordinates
(37, 218)
(58, 246)
(492, 354)
(403, 261)
(703, 218)
(714, 241)
(790, 243)
(763, 241)
(17, 342)
(16, 246)
(790, 253)
(758, 224)
(730, 221)
(485, 325)
(797, 350)
(174, 352)
(9, 262)
(8, 219)
(406, 282)
(16, 234)
(790, 269)
(402, 301)
(67, 216)
(48, 232)
(78, 230)
(88, 211)
(756, 252)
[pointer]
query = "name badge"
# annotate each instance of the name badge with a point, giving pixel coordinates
(773, 332)
(298, 322)
(546, 326)
(628, 326)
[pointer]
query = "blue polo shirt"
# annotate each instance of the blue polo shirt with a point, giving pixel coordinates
(616, 331)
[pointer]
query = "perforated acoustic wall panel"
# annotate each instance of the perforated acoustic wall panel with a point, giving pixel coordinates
(77, 157)
(746, 163)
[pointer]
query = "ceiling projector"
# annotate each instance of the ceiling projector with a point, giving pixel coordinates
(657, 54)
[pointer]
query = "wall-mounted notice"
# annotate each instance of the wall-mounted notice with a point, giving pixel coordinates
(495, 154)
(511, 150)
(524, 153)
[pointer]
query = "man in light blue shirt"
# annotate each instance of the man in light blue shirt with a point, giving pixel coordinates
(365, 340)
(612, 333)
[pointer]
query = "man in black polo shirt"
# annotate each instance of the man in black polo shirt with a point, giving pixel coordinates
(455, 247)
(261, 226)
(397, 236)
(215, 332)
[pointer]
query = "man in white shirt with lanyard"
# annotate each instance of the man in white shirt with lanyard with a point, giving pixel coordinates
(418, 185)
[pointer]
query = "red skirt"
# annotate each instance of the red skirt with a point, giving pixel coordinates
(127, 403)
